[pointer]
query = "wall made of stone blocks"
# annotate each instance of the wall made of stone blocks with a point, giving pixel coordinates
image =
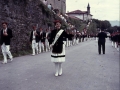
(21, 15)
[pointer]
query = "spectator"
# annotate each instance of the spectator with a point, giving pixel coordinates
(45, 2)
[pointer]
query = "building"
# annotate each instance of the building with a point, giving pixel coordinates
(58, 4)
(83, 15)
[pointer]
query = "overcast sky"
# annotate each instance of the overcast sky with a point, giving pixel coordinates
(100, 9)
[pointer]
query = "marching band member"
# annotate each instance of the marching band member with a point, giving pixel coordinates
(34, 39)
(47, 48)
(6, 35)
(58, 47)
(42, 37)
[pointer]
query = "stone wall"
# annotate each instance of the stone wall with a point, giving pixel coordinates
(21, 15)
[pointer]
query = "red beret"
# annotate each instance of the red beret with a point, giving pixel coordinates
(4, 23)
(34, 27)
(56, 21)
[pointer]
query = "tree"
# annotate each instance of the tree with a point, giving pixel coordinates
(102, 24)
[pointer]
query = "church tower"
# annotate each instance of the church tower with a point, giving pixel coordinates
(88, 8)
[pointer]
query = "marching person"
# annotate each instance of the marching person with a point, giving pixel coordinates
(101, 41)
(58, 47)
(67, 43)
(42, 37)
(47, 48)
(118, 41)
(70, 38)
(34, 39)
(49, 35)
(6, 35)
(77, 38)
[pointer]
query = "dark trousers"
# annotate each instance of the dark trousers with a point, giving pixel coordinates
(101, 44)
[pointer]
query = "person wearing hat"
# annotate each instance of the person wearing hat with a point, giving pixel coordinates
(58, 47)
(101, 41)
(6, 35)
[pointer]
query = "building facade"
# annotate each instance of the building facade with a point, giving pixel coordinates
(83, 15)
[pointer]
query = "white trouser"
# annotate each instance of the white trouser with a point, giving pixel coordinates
(115, 45)
(112, 44)
(70, 42)
(67, 43)
(64, 43)
(47, 47)
(77, 41)
(58, 68)
(96, 39)
(118, 48)
(34, 46)
(6, 51)
(41, 46)
(74, 41)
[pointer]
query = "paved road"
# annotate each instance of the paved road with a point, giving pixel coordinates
(84, 69)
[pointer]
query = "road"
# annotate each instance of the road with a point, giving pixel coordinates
(84, 69)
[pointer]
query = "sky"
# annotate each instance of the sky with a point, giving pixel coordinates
(100, 9)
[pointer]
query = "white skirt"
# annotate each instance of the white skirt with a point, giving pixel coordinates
(58, 57)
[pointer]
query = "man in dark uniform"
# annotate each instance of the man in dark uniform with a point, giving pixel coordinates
(101, 41)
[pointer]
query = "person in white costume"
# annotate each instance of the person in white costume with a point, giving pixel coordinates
(34, 39)
(42, 37)
(47, 47)
(6, 35)
(58, 47)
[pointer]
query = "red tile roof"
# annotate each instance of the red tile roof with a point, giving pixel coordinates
(77, 12)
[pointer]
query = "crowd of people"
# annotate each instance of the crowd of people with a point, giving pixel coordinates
(55, 41)
(115, 39)
(40, 39)
(44, 41)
